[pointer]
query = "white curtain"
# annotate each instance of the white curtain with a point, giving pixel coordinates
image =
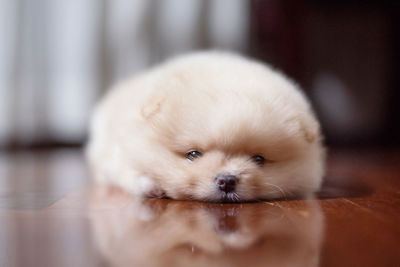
(58, 56)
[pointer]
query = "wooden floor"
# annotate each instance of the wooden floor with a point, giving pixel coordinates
(51, 216)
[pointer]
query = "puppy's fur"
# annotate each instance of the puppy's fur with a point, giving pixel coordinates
(225, 106)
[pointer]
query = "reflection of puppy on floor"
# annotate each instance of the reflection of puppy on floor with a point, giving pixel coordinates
(161, 232)
(209, 126)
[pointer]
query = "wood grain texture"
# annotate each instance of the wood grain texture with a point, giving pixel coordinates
(50, 215)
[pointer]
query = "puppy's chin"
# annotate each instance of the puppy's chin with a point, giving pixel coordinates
(240, 196)
(228, 197)
(235, 197)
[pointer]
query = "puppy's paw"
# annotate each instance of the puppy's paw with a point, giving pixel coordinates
(148, 188)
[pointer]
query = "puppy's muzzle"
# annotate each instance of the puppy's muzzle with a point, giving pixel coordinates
(226, 183)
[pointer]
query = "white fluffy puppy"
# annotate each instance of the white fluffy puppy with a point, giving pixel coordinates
(209, 126)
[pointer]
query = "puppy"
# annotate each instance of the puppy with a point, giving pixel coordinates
(209, 126)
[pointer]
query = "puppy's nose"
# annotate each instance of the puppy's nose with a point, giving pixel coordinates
(226, 183)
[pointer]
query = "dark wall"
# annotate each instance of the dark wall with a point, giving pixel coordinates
(344, 54)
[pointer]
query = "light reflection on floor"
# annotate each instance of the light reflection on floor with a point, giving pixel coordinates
(50, 215)
(157, 232)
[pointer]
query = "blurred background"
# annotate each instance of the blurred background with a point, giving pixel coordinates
(58, 57)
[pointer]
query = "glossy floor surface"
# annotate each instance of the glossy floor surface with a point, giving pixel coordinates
(51, 216)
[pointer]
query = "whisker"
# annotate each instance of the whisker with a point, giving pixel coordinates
(279, 188)
(235, 196)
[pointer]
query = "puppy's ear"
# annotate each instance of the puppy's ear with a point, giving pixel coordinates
(153, 105)
(309, 129)
(305, 126)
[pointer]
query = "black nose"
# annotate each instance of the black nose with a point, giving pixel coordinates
(226, 183)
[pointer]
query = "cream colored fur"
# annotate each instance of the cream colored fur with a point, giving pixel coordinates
(225, 106)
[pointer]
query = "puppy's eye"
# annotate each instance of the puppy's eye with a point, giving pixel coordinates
(258, 159)
(191, 155)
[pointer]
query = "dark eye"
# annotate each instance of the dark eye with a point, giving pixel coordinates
(258, 159)
(191, 155)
